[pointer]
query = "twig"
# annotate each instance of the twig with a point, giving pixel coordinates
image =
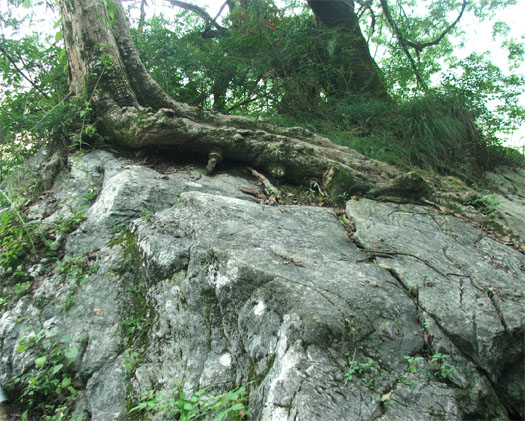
(269, 187)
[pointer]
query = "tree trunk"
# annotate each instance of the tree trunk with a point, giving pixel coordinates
(132, 110)
(359, 73)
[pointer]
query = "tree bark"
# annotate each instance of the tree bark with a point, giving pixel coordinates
(132, 110)
(349, 52)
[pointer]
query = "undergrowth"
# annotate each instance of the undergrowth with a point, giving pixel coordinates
(436, 132)
(18, 241)
(201, 404)
(49, 387)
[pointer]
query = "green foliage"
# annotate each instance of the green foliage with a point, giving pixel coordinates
(48, 388)
(268, 60)
(362, 370)
(480, 82)
(487, 204)
(275, 63)
(436, 132)
(132, 360)
(438, 362)
(17, 246)
(199, 405)
(68, 224)
(74, 271)
(126, 240)
(441, 366)
(23, 243)
(36, 107)
(16, 239)
(33, 87)
(411, 363)
(133, 325)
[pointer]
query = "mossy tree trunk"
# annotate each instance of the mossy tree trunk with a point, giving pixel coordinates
(357, 72)
(132, 110)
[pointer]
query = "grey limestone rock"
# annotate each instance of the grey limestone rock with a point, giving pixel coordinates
(469, 285)
(190, 283)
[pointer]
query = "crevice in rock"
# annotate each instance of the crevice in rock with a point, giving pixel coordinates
(457, 346)
(378, 412)
(407, 290)
(322, 293)
(292, 399)
(497, 308)
(380, 408)
(444, 331)
(373, 253)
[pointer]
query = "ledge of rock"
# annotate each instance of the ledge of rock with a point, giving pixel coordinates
(191, 281)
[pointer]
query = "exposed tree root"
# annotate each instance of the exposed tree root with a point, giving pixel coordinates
(293, 155)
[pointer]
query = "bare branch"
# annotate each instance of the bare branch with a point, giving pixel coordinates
(418, 46)
(226, 3)
(403, 43)
(199, 11)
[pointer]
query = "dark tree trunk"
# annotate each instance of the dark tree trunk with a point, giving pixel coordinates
(359, 73)
(133, 111)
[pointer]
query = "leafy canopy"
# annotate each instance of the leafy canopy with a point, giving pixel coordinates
(271, 60)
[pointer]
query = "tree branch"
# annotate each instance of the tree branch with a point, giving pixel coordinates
(418, 46)
(364, 6)
(199, 11)
(142, 16)
(226, 3)
(403, 43)
(21, 73)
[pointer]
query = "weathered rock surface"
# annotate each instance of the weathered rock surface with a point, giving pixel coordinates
(196, 282)
(510, 198)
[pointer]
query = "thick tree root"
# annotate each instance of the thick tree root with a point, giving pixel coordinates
(214, 159)
(292, 155)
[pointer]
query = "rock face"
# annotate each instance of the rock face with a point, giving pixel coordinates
(192, 284)
(509, 186)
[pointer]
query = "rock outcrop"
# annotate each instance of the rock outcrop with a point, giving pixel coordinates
(184, 282)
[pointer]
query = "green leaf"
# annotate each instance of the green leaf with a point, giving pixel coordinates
(56, 368)
(24, 347)
(66, 381)
(71, 353)
(41, 362)
(236, 407)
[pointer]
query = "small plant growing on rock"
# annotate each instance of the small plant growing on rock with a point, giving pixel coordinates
(49, 388)
(412, 363)
(487, 205)
(361, 370)
(441, 366)
(199, 405)
(75, 271)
